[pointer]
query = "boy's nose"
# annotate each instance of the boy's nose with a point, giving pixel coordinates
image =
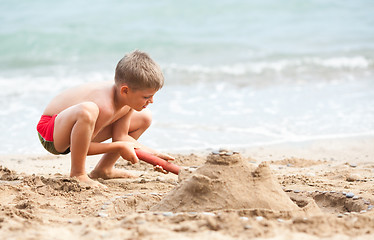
(150, 100)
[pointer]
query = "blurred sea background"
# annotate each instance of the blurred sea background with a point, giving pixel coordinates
(238, 73)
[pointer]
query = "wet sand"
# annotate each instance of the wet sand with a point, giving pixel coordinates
(322, 188)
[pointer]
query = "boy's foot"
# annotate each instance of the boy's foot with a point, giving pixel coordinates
(84, 179)
(113, 173)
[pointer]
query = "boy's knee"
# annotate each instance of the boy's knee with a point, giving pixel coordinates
(146, 118)
(88, 112)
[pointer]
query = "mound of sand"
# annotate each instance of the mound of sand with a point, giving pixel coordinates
(229, 182)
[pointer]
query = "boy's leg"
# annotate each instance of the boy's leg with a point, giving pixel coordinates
(139, 123)
(74, 127)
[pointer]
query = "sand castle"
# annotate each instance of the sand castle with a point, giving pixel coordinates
(226, 181)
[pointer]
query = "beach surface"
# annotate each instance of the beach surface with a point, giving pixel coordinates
(301, 190)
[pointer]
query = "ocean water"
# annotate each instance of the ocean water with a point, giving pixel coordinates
(238, 73)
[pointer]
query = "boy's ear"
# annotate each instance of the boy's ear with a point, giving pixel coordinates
(124, 89)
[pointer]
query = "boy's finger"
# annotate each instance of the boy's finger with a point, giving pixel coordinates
(133, 158)
(165, 156)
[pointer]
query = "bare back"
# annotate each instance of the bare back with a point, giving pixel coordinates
(102, 94)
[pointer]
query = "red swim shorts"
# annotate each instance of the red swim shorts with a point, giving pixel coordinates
(45, 132)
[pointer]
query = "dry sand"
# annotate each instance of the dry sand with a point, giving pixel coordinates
(286, 191)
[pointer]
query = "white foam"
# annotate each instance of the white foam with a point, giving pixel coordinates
(258, 67)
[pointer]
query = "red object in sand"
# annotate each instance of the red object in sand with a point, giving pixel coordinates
(152, 159)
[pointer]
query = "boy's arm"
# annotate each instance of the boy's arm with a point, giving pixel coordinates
(121, 133)
(120, 130)
(121, 143)
(121, 147)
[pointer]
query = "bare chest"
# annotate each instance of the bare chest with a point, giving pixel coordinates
(109, 116)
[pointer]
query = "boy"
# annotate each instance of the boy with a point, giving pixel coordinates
(79, 119)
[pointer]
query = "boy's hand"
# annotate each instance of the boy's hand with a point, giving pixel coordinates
(127, 151)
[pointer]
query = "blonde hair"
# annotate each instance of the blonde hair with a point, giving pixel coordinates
(139, 72)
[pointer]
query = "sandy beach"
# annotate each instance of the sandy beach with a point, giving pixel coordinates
(284, 89)
(308, 190)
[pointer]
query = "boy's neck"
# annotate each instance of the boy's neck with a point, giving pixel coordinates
(117, 98)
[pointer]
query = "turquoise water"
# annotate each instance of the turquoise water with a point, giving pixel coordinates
(238, 73)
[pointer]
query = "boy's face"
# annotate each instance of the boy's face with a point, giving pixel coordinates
(139, 99)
